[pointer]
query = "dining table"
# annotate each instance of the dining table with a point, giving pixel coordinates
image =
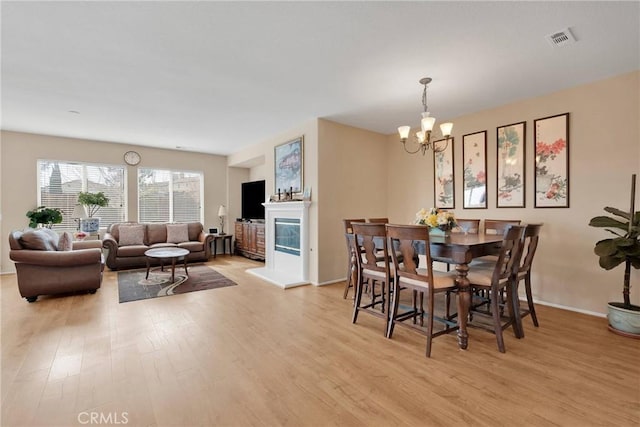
(460, 249)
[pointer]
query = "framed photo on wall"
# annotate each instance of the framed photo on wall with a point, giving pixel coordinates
(289, 166)
(511, 140)
(474, 177)
(443, 175)
(551, 183)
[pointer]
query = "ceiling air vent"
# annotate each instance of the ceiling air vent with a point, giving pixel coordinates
(561, 38)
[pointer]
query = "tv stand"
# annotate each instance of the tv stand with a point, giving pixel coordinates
(250, 239)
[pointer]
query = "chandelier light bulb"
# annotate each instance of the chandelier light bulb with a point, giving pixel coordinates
(446, 129)
(404, 131)
(427, 122)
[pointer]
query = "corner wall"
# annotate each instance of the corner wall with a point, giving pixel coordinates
(265, 150)
(352, 184)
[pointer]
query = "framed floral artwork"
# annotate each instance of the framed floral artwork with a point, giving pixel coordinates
(511, 140)
(551, 183)
(443, 175)
(289, 161)
(474, 178)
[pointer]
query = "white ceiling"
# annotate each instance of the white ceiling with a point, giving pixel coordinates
(215, 77)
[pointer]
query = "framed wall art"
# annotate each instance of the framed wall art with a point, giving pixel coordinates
(551, 183)
(443, 175)
(511, 140)
(474, 177)
(289, 170)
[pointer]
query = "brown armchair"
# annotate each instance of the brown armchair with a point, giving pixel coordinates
(42, 270)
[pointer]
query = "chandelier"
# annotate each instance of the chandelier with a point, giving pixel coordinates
(423, 137)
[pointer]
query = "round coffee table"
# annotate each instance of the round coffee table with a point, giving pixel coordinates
(167, 254)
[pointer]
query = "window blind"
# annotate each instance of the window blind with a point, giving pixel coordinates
(169, 196)
(59, 183)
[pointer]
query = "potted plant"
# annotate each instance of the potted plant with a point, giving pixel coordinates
(45, 216)
(624, 317)
(93, 202)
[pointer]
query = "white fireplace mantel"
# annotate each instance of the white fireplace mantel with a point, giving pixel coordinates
(285, 267)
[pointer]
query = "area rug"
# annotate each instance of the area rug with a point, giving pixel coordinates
(133, 286)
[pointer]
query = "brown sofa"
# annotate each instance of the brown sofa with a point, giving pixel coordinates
(130, 254)
(42, 269)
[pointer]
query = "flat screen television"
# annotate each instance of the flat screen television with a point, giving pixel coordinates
(253, 195)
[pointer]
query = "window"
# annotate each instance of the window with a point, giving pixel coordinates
(169, 196)
(59, 183)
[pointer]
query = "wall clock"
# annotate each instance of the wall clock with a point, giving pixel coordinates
(132, 158)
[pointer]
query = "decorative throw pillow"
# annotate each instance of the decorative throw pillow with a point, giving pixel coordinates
(177, 233)
(131, 235)
(65, 243)
(40, 239)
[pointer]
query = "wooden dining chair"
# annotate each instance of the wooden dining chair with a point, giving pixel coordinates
(471, 226)
(351, 256)
(529, 244)
(378, 220)
(493, 279)
(498, 226)
(371, 272)
(404, 241)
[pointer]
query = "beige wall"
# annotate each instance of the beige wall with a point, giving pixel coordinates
(20, 152)
(604, 152)
(265, 150)
(352, 184)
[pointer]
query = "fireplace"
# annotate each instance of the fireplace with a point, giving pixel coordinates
(286, 244)
(287, 236)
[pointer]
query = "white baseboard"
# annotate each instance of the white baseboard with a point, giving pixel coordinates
(564, 307)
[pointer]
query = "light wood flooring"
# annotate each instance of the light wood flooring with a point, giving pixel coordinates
(254, 354)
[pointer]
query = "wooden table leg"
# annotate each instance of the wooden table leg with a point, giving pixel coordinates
(464, 302)
(148, 267)
(185, 267)
(173, 270)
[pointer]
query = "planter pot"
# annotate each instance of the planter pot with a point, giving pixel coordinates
(624, 321)
(90, 225)
(434, 231)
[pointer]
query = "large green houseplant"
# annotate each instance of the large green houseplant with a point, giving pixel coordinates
(624, 248)
(45, 216)
(93, 202)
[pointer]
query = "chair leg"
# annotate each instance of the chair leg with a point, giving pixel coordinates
(357, 299)
(514, 309)
(429, 327)
(495, 311)
(349, 282)
(393, 312)
(532, 308)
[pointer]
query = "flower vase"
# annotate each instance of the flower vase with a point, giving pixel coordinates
(435, 231)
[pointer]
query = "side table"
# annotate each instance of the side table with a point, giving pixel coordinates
(226, 239)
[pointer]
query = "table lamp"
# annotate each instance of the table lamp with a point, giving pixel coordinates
(79, 213)
(222, 212)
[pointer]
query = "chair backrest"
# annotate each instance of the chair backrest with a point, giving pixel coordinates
(529, 246)
(371, 237)
(379, 220)
(347, 224)
(498, 226)
(405, 241)
(509, 259)
(471, 225)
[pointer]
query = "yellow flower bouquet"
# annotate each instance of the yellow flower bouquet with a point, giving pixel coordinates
(436, 219)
